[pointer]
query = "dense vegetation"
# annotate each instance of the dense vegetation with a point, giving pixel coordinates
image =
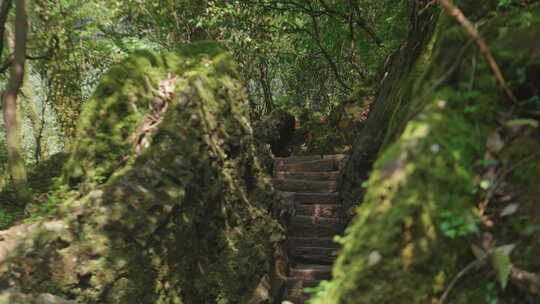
(436, 102)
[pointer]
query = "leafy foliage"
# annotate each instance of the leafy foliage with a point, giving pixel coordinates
(453, 226)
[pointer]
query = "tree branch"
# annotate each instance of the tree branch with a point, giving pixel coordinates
(361, 23)
(328, 57)
(9, 62)
(457, 14)
(530, 282)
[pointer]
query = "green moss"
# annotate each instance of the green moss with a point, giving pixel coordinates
(107, 127)
(183, 213)
(413, 230)
(400, 217)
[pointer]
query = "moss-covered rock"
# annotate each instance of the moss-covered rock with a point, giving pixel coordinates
(11, 296)
(276, 129)
(438, 115)
(175, 205)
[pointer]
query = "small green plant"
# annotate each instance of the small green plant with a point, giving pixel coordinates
(6, 219)
(317, 291)
(507, 3)
(491, 293)
(453, 225)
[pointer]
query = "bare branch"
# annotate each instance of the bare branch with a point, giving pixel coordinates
(328, 57)
(8, 62)
(363, 24)
(530, 282)
(457, 14)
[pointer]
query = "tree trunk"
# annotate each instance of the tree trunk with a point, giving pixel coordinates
(4, 12)
(267, 90)
(15, 157)
(30, 110)
(27, 104)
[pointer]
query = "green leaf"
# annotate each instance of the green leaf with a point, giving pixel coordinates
(447, 214)
(445, 226)
(471, 94)
(503, 266)
(506, 249)
(451, 233)
(531, 229)
(485, 184)
(479, 253)
(534, 98)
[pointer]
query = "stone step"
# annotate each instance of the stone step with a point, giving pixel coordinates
(320, 210)
(300, 185)
(311, 272)
(314, 255)
(314, 226)
(304, 158)
(312, 242)
(310, 166)
(296, 159)
(338, 157)
(316, 198)
(311, 183)
(294, 287)
(315, 176)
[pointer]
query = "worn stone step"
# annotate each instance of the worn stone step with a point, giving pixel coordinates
(312, 242)
(311, 272)
(314, 226)
(300, 185)
(310, 166)
(316, 176)
(314, 255)
(296, 159)
(320, 210)
(316, 198)
(338, 157)
(304, 158)
(295, 287)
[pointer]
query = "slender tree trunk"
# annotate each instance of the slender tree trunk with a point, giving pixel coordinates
(15, 159)
(4, 11)
(26, 105)
(29, 108)
(267, 91)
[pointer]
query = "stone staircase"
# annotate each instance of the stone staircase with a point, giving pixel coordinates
(310, 181)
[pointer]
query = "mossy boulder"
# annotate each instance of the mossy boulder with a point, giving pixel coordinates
(447, 136)
(276, 129)
(10, 296)
(173, 205)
